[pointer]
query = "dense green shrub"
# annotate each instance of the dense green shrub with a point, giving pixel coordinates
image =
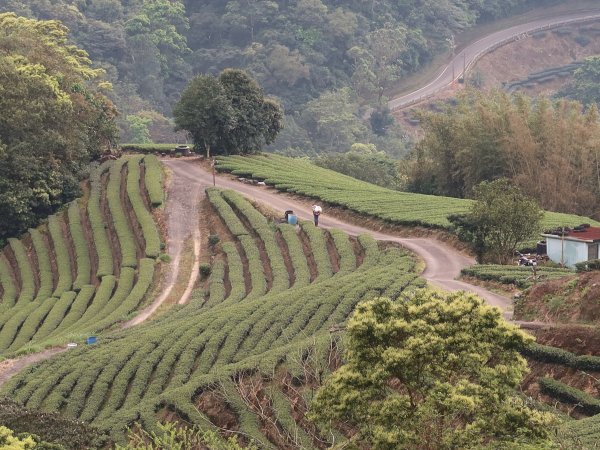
(63, 259)
(117, 211)
(154, 177)
(565, 393)
(148, 148)
(27, 282)
(144, 218)
(81, 247)
(98, 223)
(588, 266)
(556, 355)
(8, 285)
(43, 265)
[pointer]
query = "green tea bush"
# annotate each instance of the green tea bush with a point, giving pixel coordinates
(43, 266)
(97, 222)
(565, 393)
(8, 285)
(81, 247)
(153, 180)
(63, 259)
(144, 218)
(122, 227)
(27, 282)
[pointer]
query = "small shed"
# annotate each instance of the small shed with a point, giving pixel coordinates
(572, 246)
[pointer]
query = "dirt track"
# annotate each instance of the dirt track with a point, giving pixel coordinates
(443, 263)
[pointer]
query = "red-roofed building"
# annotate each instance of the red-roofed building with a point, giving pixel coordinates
(573, 246)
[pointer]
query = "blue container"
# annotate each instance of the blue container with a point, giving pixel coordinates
(90, 340)
(292, 219)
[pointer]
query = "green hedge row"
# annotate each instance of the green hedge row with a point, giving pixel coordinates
(148, 148)
(63, 259)
(319, 250)
(78, 308)
(281, 405)
(556, 355)
(27, 282)
(154, 177)
(55, 317)
(101, 298)
(43, 266)
(255, 267)
(145, 219)
(236, 273)
(258, 222)
(371, 250)
(11, 327)
(345, 251)
(124, 287)
(295, 249)
(588, 266)
(122, 227)
(31, 323)
(98, 223)
(235, 225)
(248, 421)
(135, 296)
(216, 284)
(8, 285)
(565, 393)
(81, 247)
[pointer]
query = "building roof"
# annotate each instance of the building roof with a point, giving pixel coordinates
(587, 234)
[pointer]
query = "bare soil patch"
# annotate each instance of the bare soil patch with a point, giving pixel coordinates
(214, 406)
(541, 51)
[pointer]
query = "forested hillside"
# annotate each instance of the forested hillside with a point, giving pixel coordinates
(323, 58)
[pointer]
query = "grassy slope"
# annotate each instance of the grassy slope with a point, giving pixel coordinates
(302, 177)
(203, 345)
(54, 312)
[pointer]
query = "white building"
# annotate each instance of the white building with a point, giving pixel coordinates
(573, 246)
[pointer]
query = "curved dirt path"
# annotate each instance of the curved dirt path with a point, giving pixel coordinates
(181, 212)
(443, 263)
(449, 73)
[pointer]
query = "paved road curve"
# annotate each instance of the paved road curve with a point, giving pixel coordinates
(443, 263)
(469, 55)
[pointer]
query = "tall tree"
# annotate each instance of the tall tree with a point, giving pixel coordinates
(500, 219)
(205, 112)
(54, 120)
(229, 113)
(430, 372)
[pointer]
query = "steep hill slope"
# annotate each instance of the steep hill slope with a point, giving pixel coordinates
(229, 358)
(89, 267)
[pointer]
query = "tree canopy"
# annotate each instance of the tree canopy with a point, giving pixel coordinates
(54, 119)
(228, 113)
(299, 50)
(430, 372)
(547, 148)
(501, 218)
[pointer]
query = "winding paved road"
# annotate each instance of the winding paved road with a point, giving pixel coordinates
(443, 263)
(470, 54)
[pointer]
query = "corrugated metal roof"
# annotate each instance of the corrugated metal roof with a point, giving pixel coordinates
(588, 234)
